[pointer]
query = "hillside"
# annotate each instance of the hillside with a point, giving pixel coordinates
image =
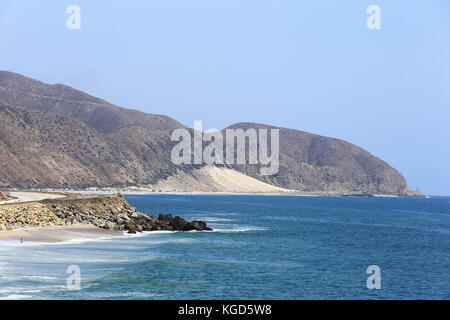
(46, 150)
(20, 91)
(310, 162)
(58, 137)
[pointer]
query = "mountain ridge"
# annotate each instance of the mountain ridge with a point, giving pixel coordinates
(21, 91)
(306, 157)
(127, 147)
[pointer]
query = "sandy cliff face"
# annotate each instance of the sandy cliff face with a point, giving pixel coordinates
(215, 179)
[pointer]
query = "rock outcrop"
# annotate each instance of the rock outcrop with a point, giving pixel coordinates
(106, 212)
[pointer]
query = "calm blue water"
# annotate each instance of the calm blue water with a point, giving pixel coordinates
(263, 247)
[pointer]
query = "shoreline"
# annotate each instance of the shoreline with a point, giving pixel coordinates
(58, 234)
(57, 219)
(146, 191)
(225, 193)
(87, 230)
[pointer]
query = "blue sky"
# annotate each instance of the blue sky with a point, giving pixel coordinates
(309, 65)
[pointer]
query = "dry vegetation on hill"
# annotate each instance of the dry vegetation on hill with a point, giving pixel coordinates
(58, 137)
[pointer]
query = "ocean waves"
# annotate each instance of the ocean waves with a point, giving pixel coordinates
(290, 249)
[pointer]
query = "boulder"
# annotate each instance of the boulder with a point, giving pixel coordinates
(180, 224)
(165, 218)
(109, 225)
(200, 226)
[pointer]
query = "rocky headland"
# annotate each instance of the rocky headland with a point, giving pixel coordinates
(56, 137)
(106, 212)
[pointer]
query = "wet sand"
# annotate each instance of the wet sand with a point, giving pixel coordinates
(58, 234)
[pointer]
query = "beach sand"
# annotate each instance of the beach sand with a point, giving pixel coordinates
(58, 234)
(26, 196)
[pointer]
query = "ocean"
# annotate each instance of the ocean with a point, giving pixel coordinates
(262, 247)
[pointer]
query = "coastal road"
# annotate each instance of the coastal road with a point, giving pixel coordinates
(31, 196)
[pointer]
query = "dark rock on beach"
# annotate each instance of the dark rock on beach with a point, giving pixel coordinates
(179, 224)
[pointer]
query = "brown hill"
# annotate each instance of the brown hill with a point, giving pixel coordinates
(44, 150)
(55, 136)
(310, 162)
(20, 91)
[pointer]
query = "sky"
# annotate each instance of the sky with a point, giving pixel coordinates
(307, 65)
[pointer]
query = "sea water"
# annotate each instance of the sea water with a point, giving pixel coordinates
(262, 247)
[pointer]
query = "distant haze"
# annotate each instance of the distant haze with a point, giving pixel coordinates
(308, 65)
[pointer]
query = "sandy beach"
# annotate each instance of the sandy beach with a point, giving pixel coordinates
(27, 196)
(58, 234)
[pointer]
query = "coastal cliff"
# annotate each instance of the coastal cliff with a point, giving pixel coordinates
(105, 212)
(56, 137)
